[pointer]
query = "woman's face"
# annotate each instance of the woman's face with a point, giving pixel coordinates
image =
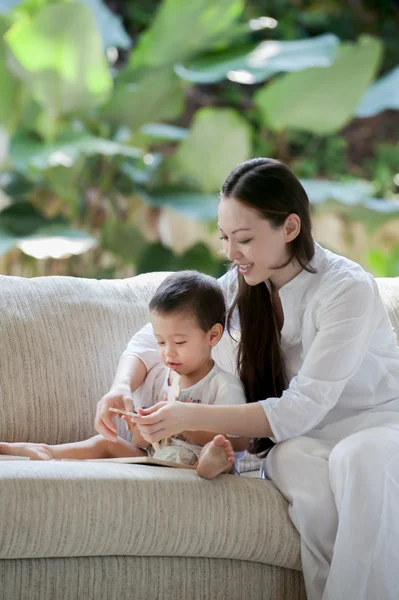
(251, 242)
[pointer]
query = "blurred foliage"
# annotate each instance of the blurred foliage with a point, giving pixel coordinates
(120, 120)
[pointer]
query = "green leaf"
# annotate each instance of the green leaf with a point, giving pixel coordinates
(22, 219)
(349, 193)
(382, 95)
(28, 151)
(7, 241)
(59, 228)
(156, 257)
(256, 63)
(15, 185)
(393, 263)
(321, 100)
(7, 5)
(378, 262)
(122, 239)
(219, 139)
(9, 86)
(56, 241)
(199, 257)
(373, 213)
(58, 55)
(195, 25)
(159, 95)
(195, 206)
(161, 131)
(110, 25)
(384, 264)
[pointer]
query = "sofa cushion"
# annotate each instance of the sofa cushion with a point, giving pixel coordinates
(66, 509)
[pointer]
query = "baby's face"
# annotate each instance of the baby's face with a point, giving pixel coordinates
(182, 344)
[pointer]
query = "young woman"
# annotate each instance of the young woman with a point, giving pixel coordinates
(320, 365)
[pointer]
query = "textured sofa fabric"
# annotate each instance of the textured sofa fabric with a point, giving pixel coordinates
(90, 531)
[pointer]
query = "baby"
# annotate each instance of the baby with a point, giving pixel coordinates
(188, 318)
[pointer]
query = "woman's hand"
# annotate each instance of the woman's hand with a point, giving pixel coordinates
(118, 397)
(165, 419)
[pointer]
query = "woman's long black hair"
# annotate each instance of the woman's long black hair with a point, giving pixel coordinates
(270, 187)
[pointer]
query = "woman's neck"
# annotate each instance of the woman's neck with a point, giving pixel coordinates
(283, 276)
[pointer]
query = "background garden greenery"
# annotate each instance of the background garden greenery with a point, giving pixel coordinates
(119, 123)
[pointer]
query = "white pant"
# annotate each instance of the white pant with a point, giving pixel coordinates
(344, 501)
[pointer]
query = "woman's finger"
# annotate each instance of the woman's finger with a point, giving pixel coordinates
(152, 409)
(151, 419)
(152, 428)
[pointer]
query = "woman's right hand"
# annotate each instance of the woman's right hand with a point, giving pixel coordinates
(118, 397)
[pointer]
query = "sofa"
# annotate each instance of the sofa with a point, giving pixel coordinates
(106, 531)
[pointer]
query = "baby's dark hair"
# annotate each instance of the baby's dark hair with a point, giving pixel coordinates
(191, 292)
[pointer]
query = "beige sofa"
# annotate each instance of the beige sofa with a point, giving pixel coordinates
(92, 531)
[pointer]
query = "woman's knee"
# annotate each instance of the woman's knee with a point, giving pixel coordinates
(360, 459)
(356, 451)
(295, 450)
(296, 463)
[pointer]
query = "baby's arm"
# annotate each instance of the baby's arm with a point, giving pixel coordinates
(138, 439)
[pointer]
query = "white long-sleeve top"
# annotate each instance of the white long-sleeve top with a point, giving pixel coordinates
(341, 353)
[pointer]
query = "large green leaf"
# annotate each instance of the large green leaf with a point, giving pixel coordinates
(56, 241)
(382, 95)
(58, 54)
(29, 151)
(350, 193)
(219, 139)
(7, 241)
(161, 131)
(321, 100)
(159, 95)
(195, 206)
(384, 264)
(256, 63)
(122, 239)
(8, 85)
(15, 185)
(372, 212)
(109, 24)
(22, 219)
(156, 257)
(181, 29)
(28, 7)
(7, 5)
(199, 257)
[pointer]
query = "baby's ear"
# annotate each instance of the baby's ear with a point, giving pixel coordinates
(215, 334)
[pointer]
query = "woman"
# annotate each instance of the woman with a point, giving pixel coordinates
(320, 364)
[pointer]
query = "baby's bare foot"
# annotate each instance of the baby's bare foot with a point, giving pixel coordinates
(217, 457)
(33, 451)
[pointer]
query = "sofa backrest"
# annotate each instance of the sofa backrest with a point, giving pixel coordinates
(61, 339)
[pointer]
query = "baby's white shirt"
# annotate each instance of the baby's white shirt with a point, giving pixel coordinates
(219, 387)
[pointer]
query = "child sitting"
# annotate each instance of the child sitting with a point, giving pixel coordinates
(188, 317)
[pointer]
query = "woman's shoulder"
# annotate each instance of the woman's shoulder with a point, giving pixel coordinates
(338, 275)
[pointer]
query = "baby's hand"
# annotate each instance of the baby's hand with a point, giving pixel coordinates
(119, 397)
